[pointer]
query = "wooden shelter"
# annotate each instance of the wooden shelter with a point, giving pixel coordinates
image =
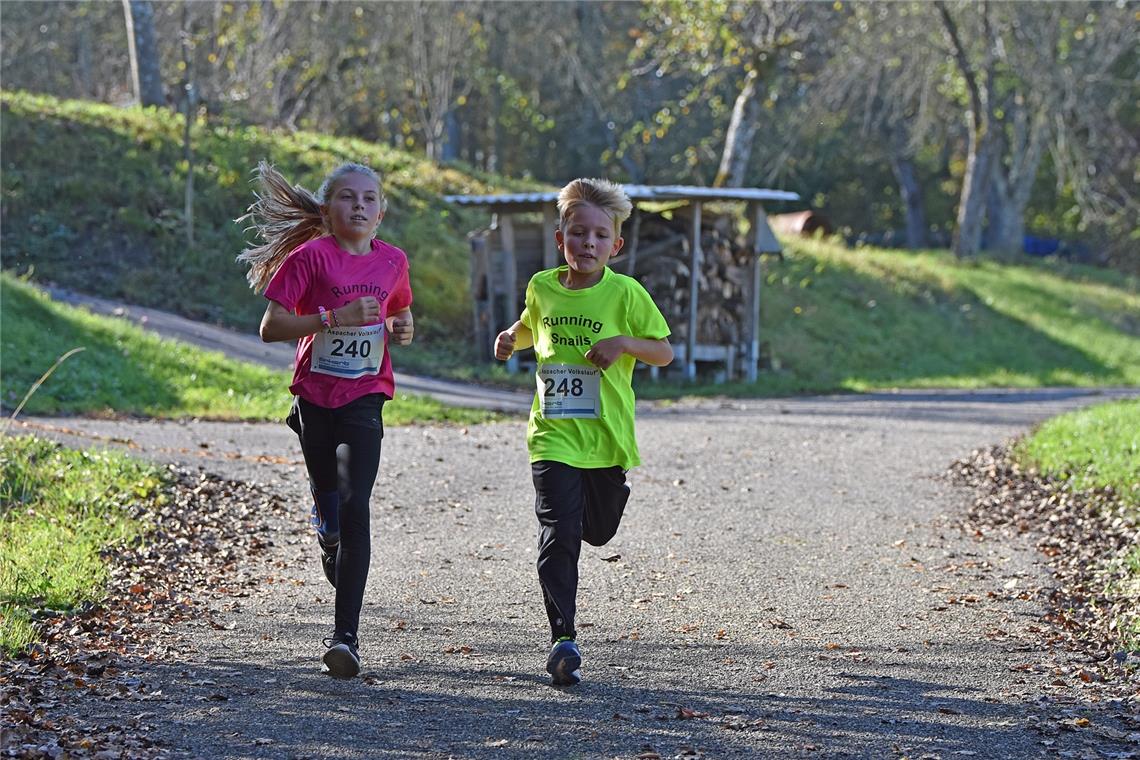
(505, 254)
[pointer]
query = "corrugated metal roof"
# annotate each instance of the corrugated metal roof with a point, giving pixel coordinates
(635, 193)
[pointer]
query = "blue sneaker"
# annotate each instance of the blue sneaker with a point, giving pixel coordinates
(341, 658)
(564, 663)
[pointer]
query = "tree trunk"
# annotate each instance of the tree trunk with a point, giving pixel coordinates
(972, 200)
(191, 104)
(142, 44)
(914, 206)
(1011, 186)
(983, 145)
(449, 151)
(84, 59)
(741, 131)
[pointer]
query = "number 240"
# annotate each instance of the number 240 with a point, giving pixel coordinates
(354, 348)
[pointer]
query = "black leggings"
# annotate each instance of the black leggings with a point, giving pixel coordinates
(342, 453)
(572, 505)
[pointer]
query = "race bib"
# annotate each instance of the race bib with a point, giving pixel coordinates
(568, 391)
(348, 351)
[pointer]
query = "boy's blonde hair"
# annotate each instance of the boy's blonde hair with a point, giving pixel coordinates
(287, 216)
(606, 195)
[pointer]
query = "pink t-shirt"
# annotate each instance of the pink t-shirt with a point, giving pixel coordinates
(321, 273)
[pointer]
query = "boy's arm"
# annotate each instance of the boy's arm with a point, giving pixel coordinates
(655, 352)
(400, 327)
(515, 338)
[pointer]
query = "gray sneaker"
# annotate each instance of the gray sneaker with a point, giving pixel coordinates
(341, 657)
(564, 663)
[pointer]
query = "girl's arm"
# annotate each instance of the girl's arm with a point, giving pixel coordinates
(400, 327)
(654, 352)
(278, 323)
(515, 338)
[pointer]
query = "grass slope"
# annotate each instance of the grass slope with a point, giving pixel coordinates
(837, 319)
(125, 370)
(1092, 448)
(92, 199)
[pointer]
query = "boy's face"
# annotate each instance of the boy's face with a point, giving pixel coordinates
(353, 210)
(587, 240)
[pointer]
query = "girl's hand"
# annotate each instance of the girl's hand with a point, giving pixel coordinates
(606, 351)
(401, 330)
(504, 345)
(363, 311)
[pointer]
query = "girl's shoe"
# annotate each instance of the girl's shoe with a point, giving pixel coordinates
(564, 663)
(341, 658)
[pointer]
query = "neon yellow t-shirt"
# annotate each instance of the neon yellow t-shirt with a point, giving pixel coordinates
(583, 416)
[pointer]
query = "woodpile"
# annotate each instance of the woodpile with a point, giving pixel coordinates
(661, 260)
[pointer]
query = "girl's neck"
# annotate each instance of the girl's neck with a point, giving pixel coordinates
(571, 280)
(357, 247)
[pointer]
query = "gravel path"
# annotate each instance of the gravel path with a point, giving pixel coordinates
(788, 581)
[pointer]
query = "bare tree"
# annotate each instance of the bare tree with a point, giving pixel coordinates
(440, 34)
(766, 31)
(982, 139)
(890, 99)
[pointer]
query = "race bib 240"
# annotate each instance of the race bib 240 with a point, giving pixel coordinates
(348, 351)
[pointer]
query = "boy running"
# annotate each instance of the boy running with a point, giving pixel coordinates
(589, 326)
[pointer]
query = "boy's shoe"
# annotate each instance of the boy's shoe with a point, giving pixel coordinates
(564, 663)
(341, 658)
(328, 558)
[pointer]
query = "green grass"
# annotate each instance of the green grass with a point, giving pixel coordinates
(125, 370)
(833, 319)
(59, 509)
(836, 319)
(1091, 448)
(93, 197)
(1095, 448)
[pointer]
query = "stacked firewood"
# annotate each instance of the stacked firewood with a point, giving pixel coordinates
(661, 262)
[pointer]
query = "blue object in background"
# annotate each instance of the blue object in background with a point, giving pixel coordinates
(1039, 246)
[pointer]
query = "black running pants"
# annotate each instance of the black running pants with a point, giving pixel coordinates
(572, 505)
(342, 453)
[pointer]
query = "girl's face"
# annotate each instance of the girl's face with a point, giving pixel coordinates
(587, 241)
(353, 208)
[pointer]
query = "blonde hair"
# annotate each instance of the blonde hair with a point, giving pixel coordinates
(606, 195)
(286, 216)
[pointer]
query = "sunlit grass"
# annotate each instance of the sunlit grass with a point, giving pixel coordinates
(1092, 448)
(59, 509)
(126, 370)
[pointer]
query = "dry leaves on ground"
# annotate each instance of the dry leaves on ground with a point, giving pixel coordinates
(197, 545)
(1080, 533)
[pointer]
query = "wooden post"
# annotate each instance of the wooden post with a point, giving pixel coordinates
(695, 259)
(509, 284)
(480, 301)
(631, 242)
(753, 301)
(751, 367)
(549, 245)
(763, 242)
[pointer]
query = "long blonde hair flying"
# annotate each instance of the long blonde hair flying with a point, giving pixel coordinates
(284, 217)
